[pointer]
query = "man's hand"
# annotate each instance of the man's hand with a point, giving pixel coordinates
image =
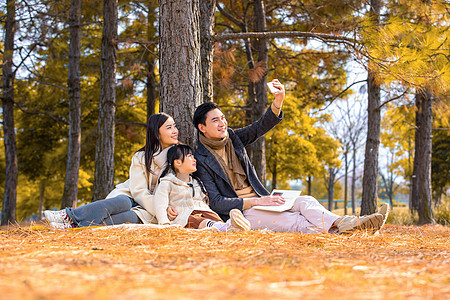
(279, 94)
(268, 200)
(171, 213)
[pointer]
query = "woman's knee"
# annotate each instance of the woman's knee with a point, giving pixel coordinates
(119, 203)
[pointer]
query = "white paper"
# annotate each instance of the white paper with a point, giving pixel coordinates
(289, 197)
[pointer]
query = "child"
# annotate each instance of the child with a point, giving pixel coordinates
(186, 194)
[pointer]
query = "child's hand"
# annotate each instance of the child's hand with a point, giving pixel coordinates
(171, 213)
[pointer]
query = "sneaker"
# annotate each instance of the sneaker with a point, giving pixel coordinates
(371, 222)
(61, 225)
(384, 211)
(238, 221)
(58, 216)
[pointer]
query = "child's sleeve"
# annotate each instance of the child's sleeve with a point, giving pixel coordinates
(161, 202)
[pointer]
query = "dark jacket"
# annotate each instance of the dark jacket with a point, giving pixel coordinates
(222, 197)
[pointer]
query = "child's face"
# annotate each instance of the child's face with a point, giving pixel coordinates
(188, 166)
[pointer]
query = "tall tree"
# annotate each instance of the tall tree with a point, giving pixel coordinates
(440, 160)
(370, 177)
(104, 153)
(152, 57)
(421, 185)
(73, 83)
(11, 167)
(416, 34)
(258, 104)
(330, 180)
(180, 64)
(207, 22)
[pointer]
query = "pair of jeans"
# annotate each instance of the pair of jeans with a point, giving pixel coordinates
(110, 211)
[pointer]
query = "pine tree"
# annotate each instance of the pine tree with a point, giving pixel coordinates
(180, 65)
(11, 165)
(104, 154)
(73, 83)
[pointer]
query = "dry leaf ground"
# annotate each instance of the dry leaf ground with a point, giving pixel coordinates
(401, 262)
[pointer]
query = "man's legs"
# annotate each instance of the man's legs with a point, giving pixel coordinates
(287, 221)
(103, 212)
(314, 212)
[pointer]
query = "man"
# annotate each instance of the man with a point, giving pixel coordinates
(231, 181)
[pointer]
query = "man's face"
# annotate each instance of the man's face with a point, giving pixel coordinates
(216, 125)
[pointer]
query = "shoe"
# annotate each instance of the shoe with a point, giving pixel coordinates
(384, 211)
(371, 222)
(61, 225)
(58, 216)
(238, 221)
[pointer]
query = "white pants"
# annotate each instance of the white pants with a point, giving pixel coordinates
(307, 215)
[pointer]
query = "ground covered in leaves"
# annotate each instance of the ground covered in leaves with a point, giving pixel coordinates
(401, 262)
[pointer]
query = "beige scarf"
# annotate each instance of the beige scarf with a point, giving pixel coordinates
(238, 176)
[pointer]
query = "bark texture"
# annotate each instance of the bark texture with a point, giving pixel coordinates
(207, 21)
(73, 82)
(421, 187)
(370, 177)
(151, 83)
(11, 167)
(104, 154)
(330, 187)
(180, 65)
(258, 94)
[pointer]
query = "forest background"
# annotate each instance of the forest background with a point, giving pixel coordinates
(234, 48)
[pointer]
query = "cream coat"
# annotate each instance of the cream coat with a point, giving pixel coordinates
(178, 194)
(141, 184)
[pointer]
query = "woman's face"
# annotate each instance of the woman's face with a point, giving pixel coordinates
(168, 133)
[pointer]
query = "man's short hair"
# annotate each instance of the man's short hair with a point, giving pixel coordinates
(201, 112)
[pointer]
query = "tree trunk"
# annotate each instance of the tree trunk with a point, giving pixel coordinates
(274, 175)
(151, 87)
(151, 59)
(207, 21)
(309, 185)
(104, 152)
(11, 167)
(421, 189)
(330, 189)
(259, 106)
(180, 65)
(73, 82)
(345, 181)
(370, 177)
(354, 181)
(41, 198)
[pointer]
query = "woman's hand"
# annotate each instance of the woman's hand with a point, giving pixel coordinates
(171, 213)
(268, 200)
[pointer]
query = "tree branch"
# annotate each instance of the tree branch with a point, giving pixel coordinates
(342, 92)
(392, 99)
(285, 34)
(45, 113)
(230, 17)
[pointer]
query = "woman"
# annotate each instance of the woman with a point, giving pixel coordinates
(132, 200)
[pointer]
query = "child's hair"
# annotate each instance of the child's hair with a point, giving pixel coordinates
(180, 151)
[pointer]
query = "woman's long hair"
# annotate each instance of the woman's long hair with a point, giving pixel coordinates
(152, 140)
(180, 151)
